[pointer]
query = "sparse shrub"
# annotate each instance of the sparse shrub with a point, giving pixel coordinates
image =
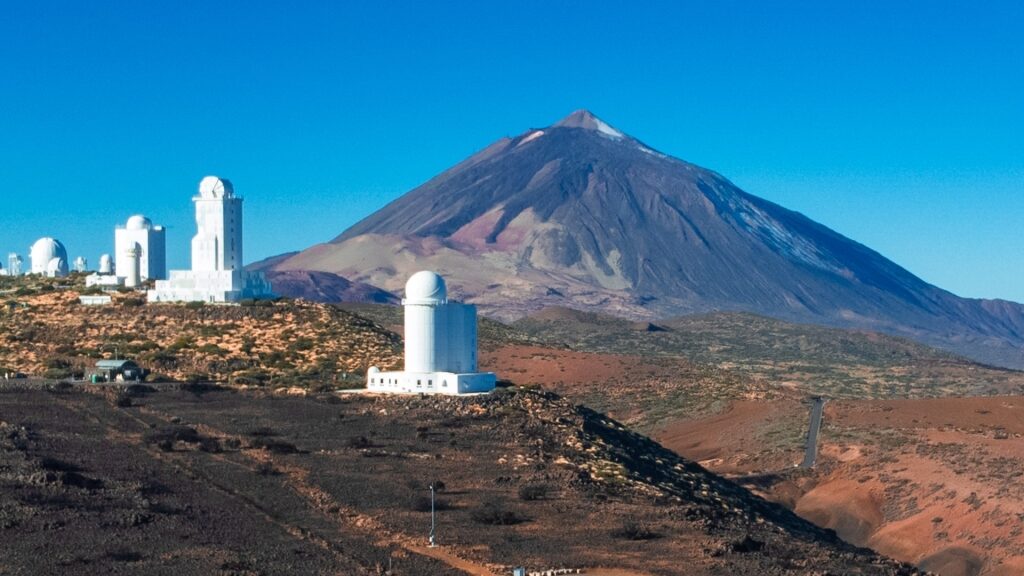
(194, 305)
(248, 342)
(421, 503)
(133, 302)
(358, 442)
(250, 378)
(168, 435)
(262, 431)
(183, 342)
(274, 446)
(301, 344)
(211, 349)
(495, 512)
(124, 556)
(266, 469)
(635, 530)
(57, 374)
(211, 445)
(137, 390)
(122, 399)
(531, 492)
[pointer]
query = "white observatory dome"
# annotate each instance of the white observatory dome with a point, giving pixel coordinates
(425, 286)
(213, 187)
(44, 251)
(106, 264)
(139, 222)
(57, 267)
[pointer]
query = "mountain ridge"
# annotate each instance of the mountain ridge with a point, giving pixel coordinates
(580, 214)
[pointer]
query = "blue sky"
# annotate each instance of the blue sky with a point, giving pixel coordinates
(897, 124)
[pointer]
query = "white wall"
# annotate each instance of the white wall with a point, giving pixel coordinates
(217, 244)
(152, 243)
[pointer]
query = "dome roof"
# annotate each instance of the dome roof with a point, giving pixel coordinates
(46, 249)
(138, 222)
(56, 267)
(425, 286)
(212, 188)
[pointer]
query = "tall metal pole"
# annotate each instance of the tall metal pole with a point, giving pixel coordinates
(432, 520)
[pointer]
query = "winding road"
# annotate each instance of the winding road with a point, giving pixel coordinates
(811, 453)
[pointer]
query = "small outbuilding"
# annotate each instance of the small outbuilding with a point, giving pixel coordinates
(118, 371)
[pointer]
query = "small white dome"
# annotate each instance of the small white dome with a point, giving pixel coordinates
(373, 370)
(213, 188)
(426, 286)
(57, 267)
(139, 222)
(106, 264)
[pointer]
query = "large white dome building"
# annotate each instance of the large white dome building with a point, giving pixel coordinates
(440, 344)
(49, 257)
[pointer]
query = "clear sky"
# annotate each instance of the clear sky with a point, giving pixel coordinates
(898, 124)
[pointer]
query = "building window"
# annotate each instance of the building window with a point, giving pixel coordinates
(419, 383)
(430, 382)
(444, 383)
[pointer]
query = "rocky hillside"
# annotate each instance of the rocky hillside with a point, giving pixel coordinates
(580, 214)
(48, 333)
(223, 481)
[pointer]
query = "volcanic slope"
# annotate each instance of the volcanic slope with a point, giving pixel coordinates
(204, 481)
(816, 360)
(580, 214)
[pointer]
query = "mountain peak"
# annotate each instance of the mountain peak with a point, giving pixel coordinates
(586, 120)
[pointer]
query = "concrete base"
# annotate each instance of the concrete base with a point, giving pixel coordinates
(430, 382)
(218, 286)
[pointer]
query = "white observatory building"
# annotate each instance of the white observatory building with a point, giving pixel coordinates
(217, 273)
(440, 345)
(151, 243)
(106, 264)
(49, 258)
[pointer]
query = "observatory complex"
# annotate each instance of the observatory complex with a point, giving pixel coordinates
(217, 273)
(440, 345)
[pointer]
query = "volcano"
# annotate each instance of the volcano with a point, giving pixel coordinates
(580, 214)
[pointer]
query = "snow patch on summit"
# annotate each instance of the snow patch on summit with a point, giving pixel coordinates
(533, 136)
(606, 129)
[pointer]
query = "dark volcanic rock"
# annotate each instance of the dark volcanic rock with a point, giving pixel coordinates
(580, 214)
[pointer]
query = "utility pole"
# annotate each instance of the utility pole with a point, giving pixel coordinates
(433, 523)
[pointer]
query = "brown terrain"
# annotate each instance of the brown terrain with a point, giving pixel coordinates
(292, 342)
(937, 482)
(203, 480)
(928, 481)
